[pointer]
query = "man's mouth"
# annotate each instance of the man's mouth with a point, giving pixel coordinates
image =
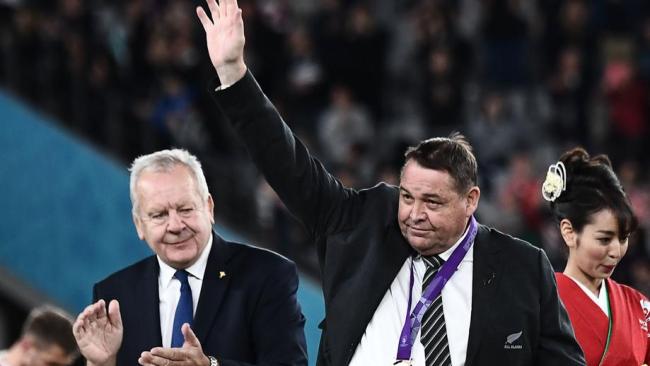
(178, 241)
(418, 231)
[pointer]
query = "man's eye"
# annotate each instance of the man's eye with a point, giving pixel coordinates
(186, 211)
(158, 215)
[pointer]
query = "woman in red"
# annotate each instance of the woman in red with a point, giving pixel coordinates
(595, 219)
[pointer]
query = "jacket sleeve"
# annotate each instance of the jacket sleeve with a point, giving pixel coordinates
(557, 343)
(308, 190)
(278, 323)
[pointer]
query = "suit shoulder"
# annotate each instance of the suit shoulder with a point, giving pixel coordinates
(381, 196)
(256, 256)
(382, 189)
(135, 270)
(507, 241)
(370, 205)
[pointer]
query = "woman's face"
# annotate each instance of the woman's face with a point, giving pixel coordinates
(597, 249)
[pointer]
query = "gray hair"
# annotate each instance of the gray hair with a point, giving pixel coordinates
(165, 161)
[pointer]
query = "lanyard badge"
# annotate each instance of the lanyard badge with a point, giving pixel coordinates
(413, 320)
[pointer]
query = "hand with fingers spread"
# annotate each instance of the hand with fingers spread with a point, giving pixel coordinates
(99, 333)
(191, 354)
(225, 38)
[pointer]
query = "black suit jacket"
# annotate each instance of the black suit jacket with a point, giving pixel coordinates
(250, 316)
(361, 249)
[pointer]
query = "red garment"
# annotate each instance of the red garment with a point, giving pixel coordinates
(630, 340)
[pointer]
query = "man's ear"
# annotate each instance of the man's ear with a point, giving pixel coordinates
(471, 201)
(568, 233)
(211, 208)
(26, 342)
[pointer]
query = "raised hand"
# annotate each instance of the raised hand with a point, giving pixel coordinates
(99, 333)
(190, 354)
(225, 38)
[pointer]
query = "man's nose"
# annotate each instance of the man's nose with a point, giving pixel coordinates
(174, 223)
(417, 211)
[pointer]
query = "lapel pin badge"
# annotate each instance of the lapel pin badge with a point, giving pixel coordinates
(222, 274)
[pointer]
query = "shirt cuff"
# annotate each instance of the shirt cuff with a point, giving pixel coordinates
(222, 87)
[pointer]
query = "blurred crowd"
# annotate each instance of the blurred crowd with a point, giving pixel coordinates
(358, 81)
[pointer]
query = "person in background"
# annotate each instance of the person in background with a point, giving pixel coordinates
(46, 340)
(595, 219)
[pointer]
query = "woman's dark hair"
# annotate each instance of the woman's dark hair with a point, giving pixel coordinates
(592, 186)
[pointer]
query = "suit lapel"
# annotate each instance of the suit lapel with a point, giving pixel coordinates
(387, 263)
(215, 283)
(394, 258)
(486, 276)
(147, 289)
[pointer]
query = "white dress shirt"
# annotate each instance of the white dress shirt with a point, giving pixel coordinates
(378, 345)
(169, 291)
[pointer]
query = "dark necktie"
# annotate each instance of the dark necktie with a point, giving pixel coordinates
(433, 333)
(183, 309)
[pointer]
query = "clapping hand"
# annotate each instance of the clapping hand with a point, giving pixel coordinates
(99, 332)
(191, 354)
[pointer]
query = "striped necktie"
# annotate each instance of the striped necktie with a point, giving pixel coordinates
(433, 334)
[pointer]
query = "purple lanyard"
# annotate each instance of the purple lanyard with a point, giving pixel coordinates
(413, 320)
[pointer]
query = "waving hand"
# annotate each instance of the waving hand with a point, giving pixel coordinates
(224, 34)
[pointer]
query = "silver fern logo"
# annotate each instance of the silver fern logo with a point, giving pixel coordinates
(512, 338)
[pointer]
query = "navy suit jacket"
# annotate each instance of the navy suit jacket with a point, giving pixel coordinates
(250, 316)
(361, 249)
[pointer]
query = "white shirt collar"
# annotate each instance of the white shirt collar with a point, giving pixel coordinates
(196, 270)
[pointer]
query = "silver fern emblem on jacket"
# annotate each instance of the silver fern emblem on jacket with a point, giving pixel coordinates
(511, 339)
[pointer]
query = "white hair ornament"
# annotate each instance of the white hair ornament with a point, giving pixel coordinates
(555, 182)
